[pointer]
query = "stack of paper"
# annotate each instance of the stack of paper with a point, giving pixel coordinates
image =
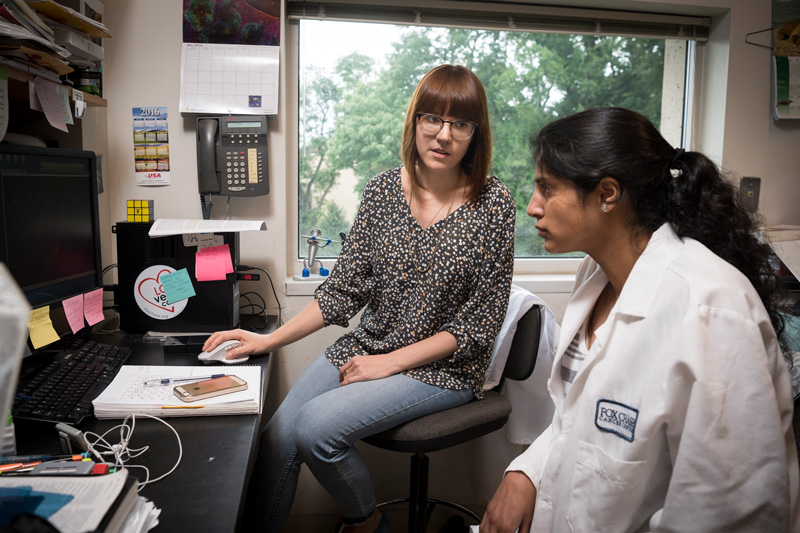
(785, 242)
(781, 233)
(128, 393)
(75, 504)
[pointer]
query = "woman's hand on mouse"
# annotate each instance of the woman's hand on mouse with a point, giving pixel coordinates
(250, 343)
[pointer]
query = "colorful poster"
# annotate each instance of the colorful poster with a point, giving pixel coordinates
(786, 59)
(230, 57)
(786, 86)
(151, 146)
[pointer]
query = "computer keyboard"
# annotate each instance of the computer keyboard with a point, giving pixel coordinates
(63, 390)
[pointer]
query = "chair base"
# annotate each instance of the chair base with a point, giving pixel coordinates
(420, 507)
(432, 503)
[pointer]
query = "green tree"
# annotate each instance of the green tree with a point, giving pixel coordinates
(353, 119)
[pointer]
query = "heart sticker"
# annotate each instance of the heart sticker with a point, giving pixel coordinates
(150, 296)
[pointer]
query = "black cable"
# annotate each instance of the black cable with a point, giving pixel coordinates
(243, 268)
(254, 311)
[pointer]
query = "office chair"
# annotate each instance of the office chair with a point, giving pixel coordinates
(450, 427)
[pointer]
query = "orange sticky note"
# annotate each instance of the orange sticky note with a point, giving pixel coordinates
(93, 306)
(73, 309)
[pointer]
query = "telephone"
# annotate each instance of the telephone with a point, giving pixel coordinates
(232, 155)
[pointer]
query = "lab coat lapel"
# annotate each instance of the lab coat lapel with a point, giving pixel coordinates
(648, 271)
(579, 307)
(635, 299)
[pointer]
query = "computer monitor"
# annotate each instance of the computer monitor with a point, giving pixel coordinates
(49, 222)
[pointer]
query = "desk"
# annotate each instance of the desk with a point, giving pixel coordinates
(206, 491)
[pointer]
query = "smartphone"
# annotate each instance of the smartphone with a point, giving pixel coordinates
(200, 390)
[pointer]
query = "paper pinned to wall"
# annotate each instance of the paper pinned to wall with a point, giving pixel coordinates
(47, 96)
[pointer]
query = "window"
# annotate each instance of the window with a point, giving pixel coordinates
(356, 79)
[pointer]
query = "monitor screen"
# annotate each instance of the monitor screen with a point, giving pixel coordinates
(49, 222)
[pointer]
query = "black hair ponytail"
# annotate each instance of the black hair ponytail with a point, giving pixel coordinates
(705, 206)
(660, 184)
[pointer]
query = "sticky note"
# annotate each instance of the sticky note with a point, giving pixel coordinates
(213, 263)
(93, 306)
(177, 286)
(41, 327)
(73, 309)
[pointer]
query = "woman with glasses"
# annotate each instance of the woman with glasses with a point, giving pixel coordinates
(429, 260)
(673, 404)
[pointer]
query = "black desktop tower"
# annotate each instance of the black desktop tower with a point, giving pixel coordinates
(140, 261)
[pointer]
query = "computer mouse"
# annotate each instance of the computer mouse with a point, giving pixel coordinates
(218, 354)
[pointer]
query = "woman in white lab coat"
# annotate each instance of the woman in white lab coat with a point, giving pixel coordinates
(673, 403)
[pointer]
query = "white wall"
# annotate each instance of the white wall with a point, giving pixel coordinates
(142, 68)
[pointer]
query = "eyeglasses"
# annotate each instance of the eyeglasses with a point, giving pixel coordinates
(460, 129)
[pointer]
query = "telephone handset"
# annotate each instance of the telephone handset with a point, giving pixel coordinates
(232, 155)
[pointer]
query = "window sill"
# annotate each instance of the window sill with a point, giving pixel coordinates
(535, 283)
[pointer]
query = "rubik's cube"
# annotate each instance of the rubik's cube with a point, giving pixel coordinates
(141, 211)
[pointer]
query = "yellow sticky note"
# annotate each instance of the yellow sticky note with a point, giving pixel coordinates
(41, 327)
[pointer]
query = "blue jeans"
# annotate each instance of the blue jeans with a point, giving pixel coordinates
(317, 424)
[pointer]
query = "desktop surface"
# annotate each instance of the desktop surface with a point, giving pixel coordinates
(206, 490)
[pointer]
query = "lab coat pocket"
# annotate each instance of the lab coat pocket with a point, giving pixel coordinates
(600, 485)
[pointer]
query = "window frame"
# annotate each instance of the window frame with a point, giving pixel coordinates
(523, 266)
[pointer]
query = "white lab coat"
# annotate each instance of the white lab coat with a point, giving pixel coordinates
(680, 418)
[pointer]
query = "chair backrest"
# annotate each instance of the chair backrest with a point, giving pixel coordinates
(525, 346)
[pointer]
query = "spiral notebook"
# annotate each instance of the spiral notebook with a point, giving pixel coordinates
(132, 391)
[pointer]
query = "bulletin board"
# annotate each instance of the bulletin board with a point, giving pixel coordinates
(786, 59)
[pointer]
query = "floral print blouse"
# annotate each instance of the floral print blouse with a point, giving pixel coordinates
(465, 291)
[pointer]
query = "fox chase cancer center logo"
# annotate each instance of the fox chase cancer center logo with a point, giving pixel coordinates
(616, 418)
(150, 297)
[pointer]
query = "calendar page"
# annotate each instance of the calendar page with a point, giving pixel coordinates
(229, 79)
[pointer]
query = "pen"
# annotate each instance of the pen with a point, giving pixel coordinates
(182, 406)
(43, 457)
(18, 467)
(168, 381)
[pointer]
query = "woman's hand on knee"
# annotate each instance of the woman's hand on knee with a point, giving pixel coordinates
(512, 506)
(367, 368)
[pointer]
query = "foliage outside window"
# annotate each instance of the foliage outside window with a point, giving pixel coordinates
(352, 111)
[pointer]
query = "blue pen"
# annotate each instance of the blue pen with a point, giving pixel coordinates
(169, 381)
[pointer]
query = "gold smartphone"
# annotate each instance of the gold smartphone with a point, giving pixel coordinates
(200, 390)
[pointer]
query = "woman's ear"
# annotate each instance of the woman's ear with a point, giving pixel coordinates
(608, 192)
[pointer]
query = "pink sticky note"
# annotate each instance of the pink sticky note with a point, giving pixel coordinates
(93, 306)
(221, 253)
(213, 263)
(73, 309)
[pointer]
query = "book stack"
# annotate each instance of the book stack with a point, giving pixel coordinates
(107, 503)
(28, 43)
(77, 25)
(18, 12)
(51, 40)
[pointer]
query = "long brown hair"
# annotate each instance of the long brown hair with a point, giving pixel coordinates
(456, 91)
